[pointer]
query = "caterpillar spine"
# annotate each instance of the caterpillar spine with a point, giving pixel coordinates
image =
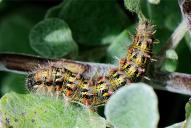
(59, 81)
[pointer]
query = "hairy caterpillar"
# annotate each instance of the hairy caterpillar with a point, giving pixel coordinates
(59, 81)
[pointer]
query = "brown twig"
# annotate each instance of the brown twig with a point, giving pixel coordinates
(24, 64)
(176, 37)
(178, 34)
(174, 82)
(19, 63)
(185, 6)
(173, 41)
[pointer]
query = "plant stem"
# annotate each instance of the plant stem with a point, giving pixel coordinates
(19, 63)
(174, 82)
(185, 6)
(173, 41)
(24, 64)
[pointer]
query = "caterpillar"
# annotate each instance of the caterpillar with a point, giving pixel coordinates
(92, 92)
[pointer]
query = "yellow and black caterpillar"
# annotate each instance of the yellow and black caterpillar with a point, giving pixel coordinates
(59, 81)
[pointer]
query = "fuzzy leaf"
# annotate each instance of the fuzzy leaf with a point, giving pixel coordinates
(171, 61)
(52, 38)
(133, 106)
(94, 22)
(188, 115)
(154, 1)
(32, 111)
(170, 10)
(119, 46)
(13, 82)
(177, 125)
(133, 5)
(137, 6)
(14, 30)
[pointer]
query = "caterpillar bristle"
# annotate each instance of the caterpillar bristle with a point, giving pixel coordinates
(147, 78)
(156, 41)
(58, 80)
(153, 60)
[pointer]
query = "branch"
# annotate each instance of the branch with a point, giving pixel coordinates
(185, 6)
(174, 82)
(173, 41)
(24, 64)
(176, 37)
(178, 34)
(20, 63)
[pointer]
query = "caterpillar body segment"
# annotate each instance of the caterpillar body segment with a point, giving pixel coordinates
(92, 92)
(139, 52)
(66, 82)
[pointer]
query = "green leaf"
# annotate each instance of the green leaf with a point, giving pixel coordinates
(92, 54)
(52, 38)
(133, 5)
(54, 11)
(133, 106)
(32, 111)
(171, 54)
(188, 40)
(162, 35)
(171, 22)
(188, 109)
(119, 46)
(15, 26)
(94, 22)
(137, 6)
(169, 65)
(154, 1)
(188, 115)
(13, 82)
(170, 10)
(183, 52)
(177, 125)
(14, 31)
(171, 61)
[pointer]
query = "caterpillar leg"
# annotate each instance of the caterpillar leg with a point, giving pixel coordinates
(91, 109)
(109, 125)
(67, 100)
(147, 78)
(153, 60)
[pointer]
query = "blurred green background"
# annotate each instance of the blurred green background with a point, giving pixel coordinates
(89, 30)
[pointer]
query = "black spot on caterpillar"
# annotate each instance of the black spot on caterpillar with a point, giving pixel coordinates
(60, 81)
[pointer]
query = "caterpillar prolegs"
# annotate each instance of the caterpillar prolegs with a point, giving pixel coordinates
(58, 81)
